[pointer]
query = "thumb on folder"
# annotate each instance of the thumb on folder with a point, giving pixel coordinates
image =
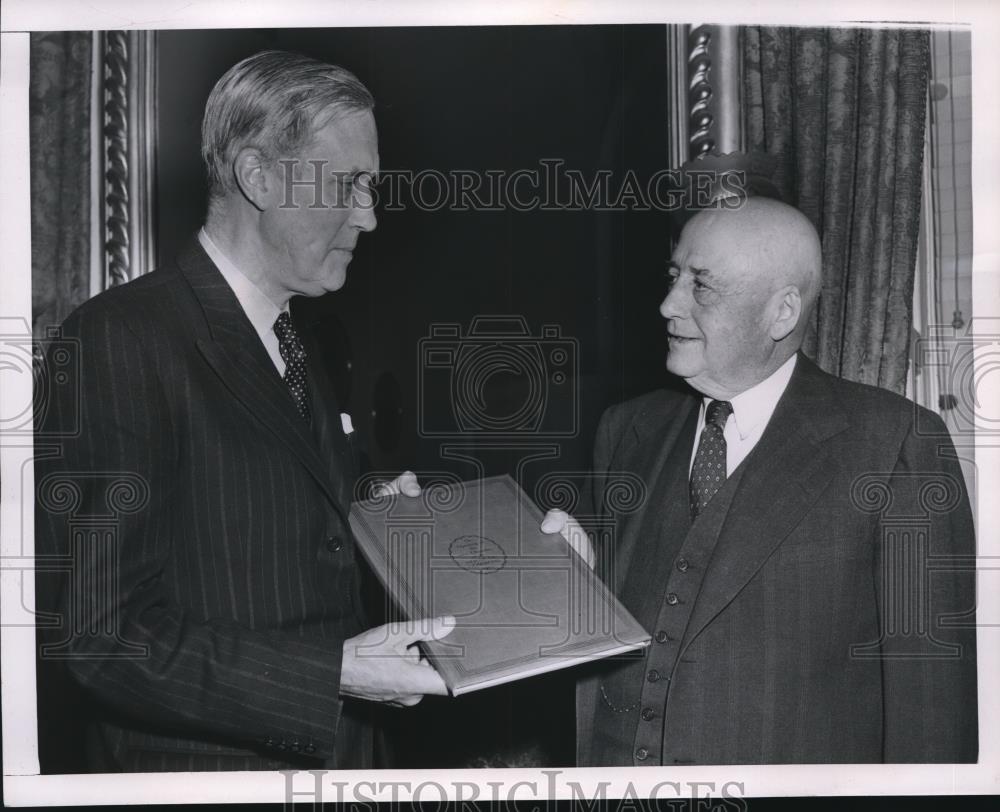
(558, 521)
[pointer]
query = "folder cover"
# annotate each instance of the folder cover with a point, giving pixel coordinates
(524, 602)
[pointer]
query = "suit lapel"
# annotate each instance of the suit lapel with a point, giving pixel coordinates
(659, 445)
(658, 531)
(234, 351)
(780, 480)
(333, 443)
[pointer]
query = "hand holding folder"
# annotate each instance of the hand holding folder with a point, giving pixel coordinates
(523, 603)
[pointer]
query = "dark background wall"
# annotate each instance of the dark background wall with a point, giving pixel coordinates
(473, 99)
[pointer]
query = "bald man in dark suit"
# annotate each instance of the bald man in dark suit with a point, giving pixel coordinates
(780, 558)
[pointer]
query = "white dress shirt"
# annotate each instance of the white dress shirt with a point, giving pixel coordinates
(752, 410)
(261, 311)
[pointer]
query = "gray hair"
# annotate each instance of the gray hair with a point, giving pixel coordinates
(272, 100)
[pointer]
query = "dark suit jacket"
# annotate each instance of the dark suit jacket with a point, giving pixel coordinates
(212, 570)
(782, 631)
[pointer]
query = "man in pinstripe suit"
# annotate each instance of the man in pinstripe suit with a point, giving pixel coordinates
(780, 560)
(217, 624)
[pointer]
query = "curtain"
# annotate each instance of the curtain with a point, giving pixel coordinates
(59, 86)
(59, 113)
(843, 112)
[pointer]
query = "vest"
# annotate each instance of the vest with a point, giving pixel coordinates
(659, 583)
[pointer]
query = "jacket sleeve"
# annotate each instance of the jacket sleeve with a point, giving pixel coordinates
(122, 636)
(926, 589)
(593, 502)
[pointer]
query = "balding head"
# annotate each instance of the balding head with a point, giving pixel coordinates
(775, 243)
(746, 282)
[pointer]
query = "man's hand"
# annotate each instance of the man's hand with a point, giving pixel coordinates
(558, 521)
(384, 664)
(406, 484)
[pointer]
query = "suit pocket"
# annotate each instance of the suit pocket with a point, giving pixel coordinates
(620, 684)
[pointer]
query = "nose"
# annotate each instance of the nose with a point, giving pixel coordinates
(363, 206)
(675, 304)
(363, 215)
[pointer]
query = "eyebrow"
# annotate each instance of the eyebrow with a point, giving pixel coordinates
(704, 274)
(700, 273)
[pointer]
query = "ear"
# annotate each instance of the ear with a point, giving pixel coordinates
(786, 308)
(253, 178)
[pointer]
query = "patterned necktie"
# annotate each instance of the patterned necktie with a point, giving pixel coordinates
(294, 357)
(708, 472)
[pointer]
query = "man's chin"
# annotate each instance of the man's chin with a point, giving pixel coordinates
(336, 284)
(680, 372)
(335, 279)
(680, 366)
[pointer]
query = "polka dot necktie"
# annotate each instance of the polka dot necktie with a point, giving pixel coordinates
(709, 470)
(294, 357)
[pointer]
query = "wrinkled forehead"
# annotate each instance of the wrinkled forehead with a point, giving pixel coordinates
(712, 241)
(349, 140)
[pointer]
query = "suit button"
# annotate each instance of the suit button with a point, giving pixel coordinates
(269, 742)
(282, 745)
(334, 544)
(310, 748)
(653, 676)
(295, 747)
(642, 754)
(648, 714)
(682, 564)
(672, 599)
(662, 636)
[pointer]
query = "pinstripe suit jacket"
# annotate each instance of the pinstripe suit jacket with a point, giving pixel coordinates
(781, 629)
(212, 576)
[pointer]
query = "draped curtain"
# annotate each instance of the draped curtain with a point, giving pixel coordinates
(843, 111)
(59, 94)
(59, 113)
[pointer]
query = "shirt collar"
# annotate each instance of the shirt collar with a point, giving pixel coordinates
(261, 311)
(756, 405)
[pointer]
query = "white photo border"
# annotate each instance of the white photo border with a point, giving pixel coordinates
(22, 783)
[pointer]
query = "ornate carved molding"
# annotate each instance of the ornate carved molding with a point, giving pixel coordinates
(700, 137)
(128, 129)
(714, 90)
(116, 198)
